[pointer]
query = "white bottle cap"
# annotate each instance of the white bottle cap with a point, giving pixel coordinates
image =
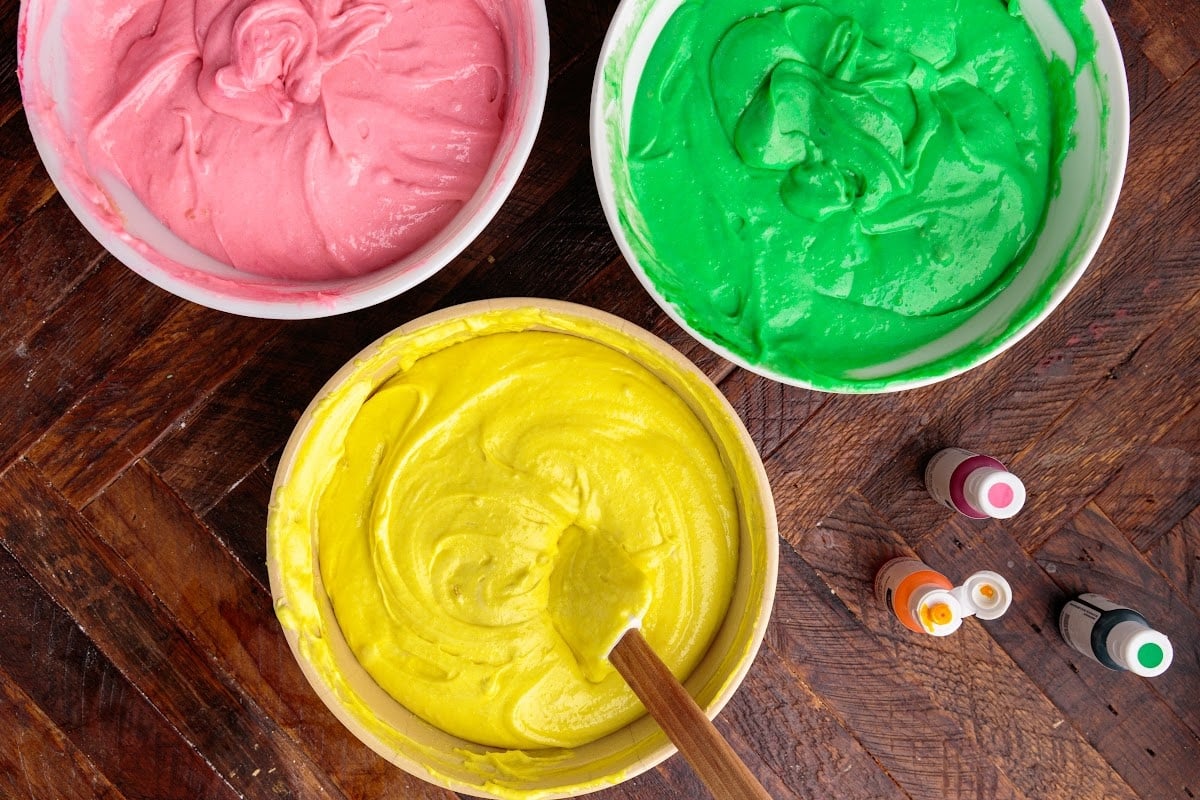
(1141, 650)
(985, 594)
(936, 610)
(996, 492)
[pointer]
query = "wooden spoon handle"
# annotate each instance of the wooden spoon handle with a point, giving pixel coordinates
(718, 766)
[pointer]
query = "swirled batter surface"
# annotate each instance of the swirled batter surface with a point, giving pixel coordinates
(831, 184)
(474, 484)
(302, 139)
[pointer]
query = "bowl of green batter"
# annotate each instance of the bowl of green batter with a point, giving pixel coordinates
(857, 195)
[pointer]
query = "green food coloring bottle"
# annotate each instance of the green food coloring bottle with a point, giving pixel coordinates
(1116, 636)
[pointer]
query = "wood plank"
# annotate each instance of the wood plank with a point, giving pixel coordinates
(187, 358)
(232, 619)
(1065, 458)
(1132, 23)
(1118, 715)
(1165, 34)
(1090, 554)
(677, 779)
(239, 521)
(616, 290)
(24, 185)
(10, 94)
(64, 554)
(257, 408)
(1177, 556)
(849, 439)
(651, 783)
(771, 411)
(141, 657)
(60, 360)
(37, 759)
(561, 250)
(793, 742)
(570, 24)
(1155, 491)
(41, 263)
(104, 715)
(1015, 725)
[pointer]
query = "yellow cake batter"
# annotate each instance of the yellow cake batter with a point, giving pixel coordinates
(454, 499)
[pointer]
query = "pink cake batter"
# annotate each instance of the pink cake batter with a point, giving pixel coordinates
(300, 139)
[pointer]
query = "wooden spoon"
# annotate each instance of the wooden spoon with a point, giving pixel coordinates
(598, 596)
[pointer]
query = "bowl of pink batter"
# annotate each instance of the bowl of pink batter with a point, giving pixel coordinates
(284, 158)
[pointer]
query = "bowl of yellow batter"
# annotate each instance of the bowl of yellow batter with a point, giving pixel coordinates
(421, 523)
(859, 195)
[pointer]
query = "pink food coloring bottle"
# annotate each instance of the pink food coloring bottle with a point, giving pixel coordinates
(974, 485)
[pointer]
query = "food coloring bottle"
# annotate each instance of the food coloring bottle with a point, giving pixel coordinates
(975, 485)
(925, 601)
(1116, 636)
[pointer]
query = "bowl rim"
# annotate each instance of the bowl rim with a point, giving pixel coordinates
(757, 481)
(1117, 153)
(290, 300)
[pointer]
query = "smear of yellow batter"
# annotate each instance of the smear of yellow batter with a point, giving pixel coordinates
(450, 493)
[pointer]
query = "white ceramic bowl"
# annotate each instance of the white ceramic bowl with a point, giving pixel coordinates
(1076, 221)
(385, 725)
(151, 250)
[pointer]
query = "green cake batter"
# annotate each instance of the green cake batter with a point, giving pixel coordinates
(831, 184)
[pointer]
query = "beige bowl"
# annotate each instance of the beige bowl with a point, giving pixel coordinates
(385, 725)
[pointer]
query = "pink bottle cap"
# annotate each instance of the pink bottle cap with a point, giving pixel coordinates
(996, 492)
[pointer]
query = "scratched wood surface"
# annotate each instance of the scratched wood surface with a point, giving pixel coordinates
(140, 658)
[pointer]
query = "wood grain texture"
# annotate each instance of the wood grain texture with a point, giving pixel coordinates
(25, 186)
(139, 434)
(49, 657)
(1164, 35)
(123, 415)
(37, 759)
(64, 253)
(10, 99)
(794, 742)
(1177, 556)
(1160, 487)
(132, 628)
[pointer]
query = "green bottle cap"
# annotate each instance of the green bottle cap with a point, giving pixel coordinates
(1139, 649)
(1150, 655)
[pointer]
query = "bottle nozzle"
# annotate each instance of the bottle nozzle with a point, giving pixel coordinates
(937, 610)
(984, 594)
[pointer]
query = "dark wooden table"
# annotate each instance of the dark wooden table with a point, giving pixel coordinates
(140, 658)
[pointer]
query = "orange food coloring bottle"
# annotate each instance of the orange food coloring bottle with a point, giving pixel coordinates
(925, 601)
